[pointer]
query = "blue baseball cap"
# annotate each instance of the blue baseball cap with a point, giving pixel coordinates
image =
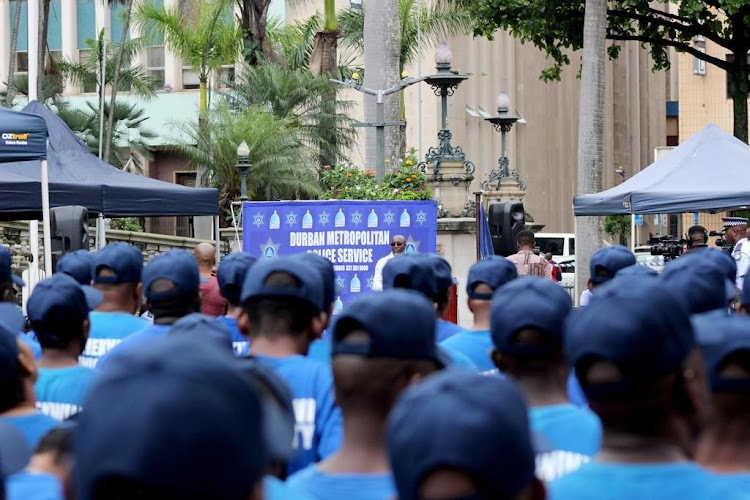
(699, 282)
(307, 277)
(535, 303)
(608, 261)
(177, 266)
(77, 264)
(200, 327)
(125, 260)
(720, 259)
(637, 271)
(325, 268)
(400, 323)
(231, 274)
(637, 324)
(411, 271)
(462, 421)
(174, 420)
(5, 268)
(11, 322)
(494, 271)
(745, 295)
(442, 271)
(14, 451)
(11, 318)
(718, 339)
(58, 306)
(278, 409)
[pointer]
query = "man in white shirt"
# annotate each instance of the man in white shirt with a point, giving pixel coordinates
(398, 245)
(736, 234)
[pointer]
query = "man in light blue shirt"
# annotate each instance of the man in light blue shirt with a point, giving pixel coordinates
(485, 277)
(48, 471)
(116, 273)
(382, 343)
(58, 311)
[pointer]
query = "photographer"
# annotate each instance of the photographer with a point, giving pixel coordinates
(697, 238)
(736, 235)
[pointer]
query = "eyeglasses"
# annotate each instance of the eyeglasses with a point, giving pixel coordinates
(397, 244)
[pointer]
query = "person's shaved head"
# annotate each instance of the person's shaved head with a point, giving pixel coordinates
(205, 254)
(398, 244)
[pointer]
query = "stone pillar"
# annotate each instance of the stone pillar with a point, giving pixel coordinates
(172, 63)
(5, 34)
(69, 18)
(140, 58)
(451, 187)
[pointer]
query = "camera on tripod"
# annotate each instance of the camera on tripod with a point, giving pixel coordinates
(721, 242)
(667, 246)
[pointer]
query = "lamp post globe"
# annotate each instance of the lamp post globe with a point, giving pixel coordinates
(243, 165)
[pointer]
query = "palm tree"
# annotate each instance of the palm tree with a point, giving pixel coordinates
(382, 48)
(130, 140)
(279, 163)
(13, 52)
(52, 88)
(253, 19)
(116, 74)
(591, 130)
(206, 40)
(300, 98)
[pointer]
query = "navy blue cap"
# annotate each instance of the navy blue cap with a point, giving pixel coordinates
(532, 302)
(5, 268)
(718, 339)
(177, 266)
(462, 421)
(11, 318)
(77, 264)
(177, 421)
(494, 271)
(231, 274)
(278, 409)
(200, 327)
(608, 261)
(400, 323)
(58, 306)
(637, 324)
(325, 268)
(720, 259)
(14, 450)
(11, 322)
(745, 295)
(637, 270)
(700, 282)
(308, 277)
(442, 271)
(412, 271)
(125, 260)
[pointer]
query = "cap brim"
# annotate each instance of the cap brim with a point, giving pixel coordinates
(443, 358)
(93, 296)
(14, 450)
(18, 281)
(731, 291)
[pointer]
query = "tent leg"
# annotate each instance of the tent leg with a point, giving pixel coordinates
(632, 233)
(46, 222)
(576, 295)
(34, 260)
(217, 234)
(101, 233)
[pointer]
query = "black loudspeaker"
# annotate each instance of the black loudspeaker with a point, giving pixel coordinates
(506, 221)
(69, 228)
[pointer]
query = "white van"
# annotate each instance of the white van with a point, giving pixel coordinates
(558, 244)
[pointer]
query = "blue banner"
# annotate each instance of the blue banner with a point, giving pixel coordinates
(353, 235)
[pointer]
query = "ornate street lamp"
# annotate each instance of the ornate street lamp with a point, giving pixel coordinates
(243, 165)
(503, 123)
(444, 84)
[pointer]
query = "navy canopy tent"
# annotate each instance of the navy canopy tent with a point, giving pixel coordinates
(77, 177)
(23, 136)
(710, 172)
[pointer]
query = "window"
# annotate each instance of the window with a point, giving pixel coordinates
(699, 65)
(225, 75)
(155, 64)
(190, 78)
(571, 246)
(555, 246)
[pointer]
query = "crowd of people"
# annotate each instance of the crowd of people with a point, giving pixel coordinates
(195, 380)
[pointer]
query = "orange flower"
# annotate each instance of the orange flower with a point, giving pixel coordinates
(408, 179)
(349, 174)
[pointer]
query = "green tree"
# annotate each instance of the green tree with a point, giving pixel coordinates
(557, 27)
(52, 88)
(253, 16)
(130, 140)
(299, 98)
(205, 40)
(618, 226)
(279, 162)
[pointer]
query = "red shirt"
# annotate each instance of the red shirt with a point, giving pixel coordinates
(213, 304)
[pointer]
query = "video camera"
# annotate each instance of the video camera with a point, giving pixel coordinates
(668, 246)
(721, 242)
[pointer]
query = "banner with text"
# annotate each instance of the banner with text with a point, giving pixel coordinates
(353, 235)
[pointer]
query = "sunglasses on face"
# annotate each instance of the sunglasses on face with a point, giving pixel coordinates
(397, 244)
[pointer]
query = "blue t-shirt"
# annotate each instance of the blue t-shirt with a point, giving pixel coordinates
(240, 343)
(474, 345)
(108, 329)
(680, 480)
(320, 351)
(33, 426)
(60, 391)
(29, 338)
(146, 336)
(575, 391)
(325, 486)
(318, 428)
(446, 329)
(33, 486)
(566, 436)
(275, 489)
(739, 481)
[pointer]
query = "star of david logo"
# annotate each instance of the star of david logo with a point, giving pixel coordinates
(356, 218)
(370, 282)
(269, 250)
(412, 245)
(421, 217)
(291, 218)
(389, 217)
(258, 219)
(324, 218)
